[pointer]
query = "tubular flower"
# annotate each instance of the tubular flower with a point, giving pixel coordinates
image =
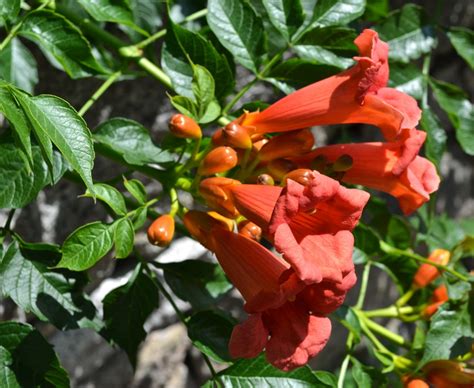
(357, 95)
(440, 296)
(393, 167)
(199, 225)
(442, 374)
(309, 225)
(288, 144)
(427, 273)
(286, 317)
(216, 193)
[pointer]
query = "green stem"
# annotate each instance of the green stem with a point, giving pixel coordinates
(403, 300)
(395, 251)
(155, 71)
(389, 312)
(174, 202)
(379, 329)
(161, 33)
(99, 92)
(238, 96)
(363, 286)
(8, 223)
(342, 373)
(426, 74)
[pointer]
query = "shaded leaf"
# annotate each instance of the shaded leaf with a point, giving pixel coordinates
(367, 376)
(9, 9)
(285, 15)
(463, 41)
(110, 196)
(136, 188)
(436, 138)
(407, 78)
(124, 236)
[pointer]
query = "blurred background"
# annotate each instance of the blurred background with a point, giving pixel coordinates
(166, 358)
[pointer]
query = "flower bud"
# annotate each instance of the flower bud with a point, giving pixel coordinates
(236, 136)
(216, 193)
(288, 144)
(250, 230)
(427, 273)
(301, 175)
(220, 159)
(161, 231)
(414, 383)
(278, 168)
(200, 224)
(440, 296)
(184, 127)
(265, 179)
(217, 138)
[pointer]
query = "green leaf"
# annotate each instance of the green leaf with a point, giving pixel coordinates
(376, 10)
(109, 195)
(238, 29)
(463, 41)
(136, 188)
(186, 106)
(51, 295)
(182, 49)
(336, 12)
(258, 373)
(7, 375)
(203, 88)
(126, 309)
(460, 111)
(400, 268)
(436, 138)
(407, 78)
(146, 14)
(33, 360)
(398, 233)
(448, 325)
(62, 42)
(444, 232)
(54, 118)
(195, 281)
(325, 379)
(366, 239)
(408, 33)
(328, 45)
(285, 15)
(210, 332)
(140, 217)
(9, 9)
(86, 246)
(349, 319)
(367, 376)
(124, 236)
(18, 66)
(115, 11)
(20, 183)
(131, 140)
(212, 112)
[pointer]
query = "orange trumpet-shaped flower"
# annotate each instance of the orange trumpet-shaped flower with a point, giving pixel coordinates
(309, 225)
(288, 144)
(393, 167)
(199, 225)
(357, 95)
(216, 192)
(184, 127)
(161, 231)
(449, 374)
(220, 159)
(427, 273)
(440, 296)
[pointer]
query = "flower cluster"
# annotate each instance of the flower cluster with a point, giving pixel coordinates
(291, 258)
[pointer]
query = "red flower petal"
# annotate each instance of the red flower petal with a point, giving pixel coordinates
(248, 338)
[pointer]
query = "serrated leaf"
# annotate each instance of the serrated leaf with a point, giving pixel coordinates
(131, 140)
(210, 332)
(124, 236)
(126, 308)
(436, 138)
(137, 189)
(109, 195)
(7, 375)
(336, 12)
(408, 79)
(182, 49)
(258, 373)
(408, 33)
(20, 182)
(447, 326)
(115, 11)
(238, 29)
(285, 15)
(60, 39)
(9, 9)
(55, 119)
(195, 281)
(460, 111)
(86, 246)
(328, 45)
(32, 358)
(463, 41)
(18, 66)
(49, 294)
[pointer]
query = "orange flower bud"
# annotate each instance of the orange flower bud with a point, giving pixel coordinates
(161, 231)
(416, 383)
(440, 296)
(184, 127)
(301, 175)
(427, 273)
(448, 374)
(216, 192)
(288, 144)
(236, 136)
(217, 138)
(278, 168)
(265, 179)
(199, 225)
(220, 159)
(250, 230)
